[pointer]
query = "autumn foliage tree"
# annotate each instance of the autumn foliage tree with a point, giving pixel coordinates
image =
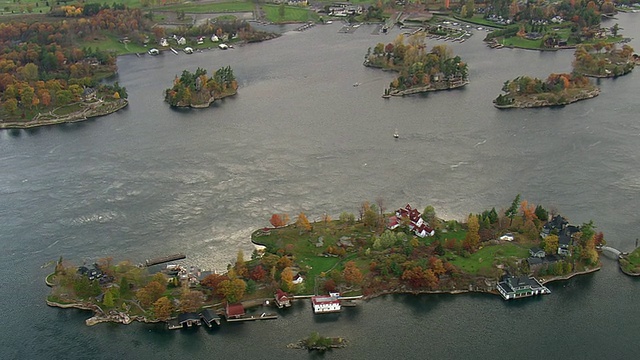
(472, 239)
(352, 274)
(277, 221)
(303, 222)
(286, 279)
(191, 301)
(162, 308)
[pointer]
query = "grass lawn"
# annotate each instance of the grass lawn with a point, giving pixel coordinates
(231, 6)
(522, 43)
(291, 14)
(112, 44)
(485, 257)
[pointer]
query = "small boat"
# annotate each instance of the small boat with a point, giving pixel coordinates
(154, 51)
(356, 84)
(223, 46)
(395, 134)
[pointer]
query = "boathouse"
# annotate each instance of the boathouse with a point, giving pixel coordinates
(209, 317)
(515, 287)
(326, 303)
(234, 311)
(282, 299)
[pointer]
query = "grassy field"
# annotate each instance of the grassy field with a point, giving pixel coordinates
(112, 44)
(291, 14)
(208, 7)
(484, 258)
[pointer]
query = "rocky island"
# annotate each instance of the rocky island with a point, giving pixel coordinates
(197, 91)
(603, 60)
(419, 71)
(511, 253)
(556, 90)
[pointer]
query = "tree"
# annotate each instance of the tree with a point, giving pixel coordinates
(240, 266)
(212, 281)
(232, 290)
(191, 301)
(276, 221)
(162, 308)
(258, 273)
(150, 293)
(286, 279)
(541, 213)
(512, 211)
(303, 222)
(472, 238)
(551, 244)
(352, 274)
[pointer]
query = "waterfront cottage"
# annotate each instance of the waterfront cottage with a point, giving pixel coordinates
(282, 299)
(415, 222)
(234, 311)
(326, 303)
(515, 287)
(209, 317)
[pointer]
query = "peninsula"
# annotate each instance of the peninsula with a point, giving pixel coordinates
(511, 253)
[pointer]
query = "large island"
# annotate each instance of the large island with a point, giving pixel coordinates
(511, 254)
(556, 90)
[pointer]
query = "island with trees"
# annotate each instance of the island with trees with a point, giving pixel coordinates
(556, 90)
(603, 60)
(317, 342)
(630, 263)
(419, 71)
(369, 254)
(197, 91)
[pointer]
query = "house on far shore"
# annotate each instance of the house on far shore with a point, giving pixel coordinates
(414, 219)
(234, 311)
(282, 299)
(537, 252)
(326, 303)
(515, 287)
(298, 279)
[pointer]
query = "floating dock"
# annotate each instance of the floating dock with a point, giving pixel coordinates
(164, 259)
(264, 316)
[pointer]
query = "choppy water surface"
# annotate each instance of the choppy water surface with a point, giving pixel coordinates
(150, 181)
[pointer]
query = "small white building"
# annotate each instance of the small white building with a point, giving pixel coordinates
(326, 303)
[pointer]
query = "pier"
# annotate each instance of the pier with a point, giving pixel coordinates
(164, 259)
(263, 316)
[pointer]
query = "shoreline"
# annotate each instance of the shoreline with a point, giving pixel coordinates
(81, 115)
(534, 103)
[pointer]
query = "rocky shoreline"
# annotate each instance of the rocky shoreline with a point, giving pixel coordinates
(532, 102)
(445, 85)
(90, 111)
(205, 104)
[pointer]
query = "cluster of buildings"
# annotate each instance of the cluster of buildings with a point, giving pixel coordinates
(413, 219)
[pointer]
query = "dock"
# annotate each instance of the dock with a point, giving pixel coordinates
(263, 316)
(164, 259)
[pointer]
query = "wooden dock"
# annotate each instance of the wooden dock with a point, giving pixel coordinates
(164, 259)
(263, 316)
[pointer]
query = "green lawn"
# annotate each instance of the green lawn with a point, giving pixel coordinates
(484, 258)
(232, 6)
(112, 44)
(522, 43)
(291, 14)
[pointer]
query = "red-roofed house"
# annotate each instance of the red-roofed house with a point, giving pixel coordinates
(282, 299)
(416, 223)
(234, 311)
(325, 304)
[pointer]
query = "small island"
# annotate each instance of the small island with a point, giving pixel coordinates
(603, 60)
(316, 342)
(511, 253)
(556, 90)
(197, 91)
(418, 70)
(630, 263)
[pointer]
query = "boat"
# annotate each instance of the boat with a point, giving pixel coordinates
(154, 51)
(188, 50)
(223, 46)
(395, 134)
(356, 84)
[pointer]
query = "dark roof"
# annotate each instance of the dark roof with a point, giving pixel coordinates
(535, 249)
(209, 317)
(187, 317)
(534, 261)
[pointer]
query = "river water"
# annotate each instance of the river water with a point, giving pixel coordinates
(150, 181)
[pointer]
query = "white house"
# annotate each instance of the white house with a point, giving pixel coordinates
(326, 303)
(182, 41)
